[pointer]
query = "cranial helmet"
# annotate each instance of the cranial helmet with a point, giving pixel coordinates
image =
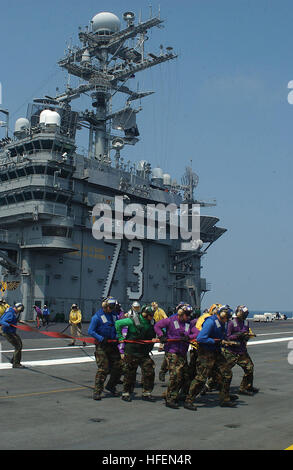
(225, 310)
(242, 311)
(110, 302)
(214, 308)
(19, 307)
(148, 310)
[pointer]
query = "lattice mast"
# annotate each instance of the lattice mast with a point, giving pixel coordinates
(105, 62)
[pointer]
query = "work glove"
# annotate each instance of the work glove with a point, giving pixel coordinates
(225, 342)
(163, 339)
(185, 338)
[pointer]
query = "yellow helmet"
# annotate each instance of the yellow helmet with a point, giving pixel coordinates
(214, 308)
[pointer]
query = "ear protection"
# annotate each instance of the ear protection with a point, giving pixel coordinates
(225, 311)
(106, 302)
(242, 310)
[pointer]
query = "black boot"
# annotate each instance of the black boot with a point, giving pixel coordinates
(148, 398)
(112, 390)
(172, 404)
(97, 396)
(227, 404)
(189, 406)
(126, 397)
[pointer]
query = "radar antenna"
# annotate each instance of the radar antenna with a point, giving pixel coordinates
(189, 182)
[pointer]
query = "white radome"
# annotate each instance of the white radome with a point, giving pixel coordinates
(105, 21)
(21, 124)
(167, 179)
(157, 173)
(50, 117)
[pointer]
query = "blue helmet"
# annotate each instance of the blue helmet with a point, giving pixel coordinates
(111, 303)
(226, 309)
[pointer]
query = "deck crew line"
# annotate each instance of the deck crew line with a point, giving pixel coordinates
(124, 341)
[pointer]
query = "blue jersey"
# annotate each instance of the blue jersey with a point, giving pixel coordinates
(102, 325)
(212, 329)
(8, 319)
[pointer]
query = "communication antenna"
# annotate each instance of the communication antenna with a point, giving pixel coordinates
(117, 144)
(189, 181)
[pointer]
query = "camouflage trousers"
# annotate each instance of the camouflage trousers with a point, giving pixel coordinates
(108, 362)
(179, 378)
(147, 365)
(16, 342)
(245, 362)
(192, 363)
(164, 366)
(211, 363)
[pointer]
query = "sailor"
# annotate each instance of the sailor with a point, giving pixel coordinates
(176, 327)
(134, 310)
(46, 315)
(238, 330)
(118, 310)
(197, 324)
(3, 306)
(39, 315)
(102, 328)
(75, 318)
(159, 313)
(164, 366)
(209, 340)
(140, 327)
(211, 383)
(8, 329)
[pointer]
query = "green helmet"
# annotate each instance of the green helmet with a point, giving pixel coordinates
(148, 310)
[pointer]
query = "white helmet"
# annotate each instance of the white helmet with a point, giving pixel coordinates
(135, 306)
(19, 306)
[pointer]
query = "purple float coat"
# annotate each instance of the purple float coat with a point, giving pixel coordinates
(237, 326)
(175, 329)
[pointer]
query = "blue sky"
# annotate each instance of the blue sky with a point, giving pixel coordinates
(222, 103)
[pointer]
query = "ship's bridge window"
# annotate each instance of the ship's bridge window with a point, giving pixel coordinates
(50, 170)
(47, 144)
(36, 145)
(19, 197)
(2, 201)
(28, 196)
(4, 177)
(56, 231)
(61, 198)
(29, 170)
(12, 174)
(10, 200)
(38, 195)
(20, 172)
(40, 170)
(50, 197)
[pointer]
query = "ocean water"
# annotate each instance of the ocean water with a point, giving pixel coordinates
(261, 312)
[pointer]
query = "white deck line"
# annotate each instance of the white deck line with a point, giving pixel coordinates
(79, 360)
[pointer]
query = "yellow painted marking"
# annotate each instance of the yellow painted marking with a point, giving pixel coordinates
(289, 448)
(22, 395)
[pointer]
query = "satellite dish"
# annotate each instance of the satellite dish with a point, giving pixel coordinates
(117, 143)
(129, 16)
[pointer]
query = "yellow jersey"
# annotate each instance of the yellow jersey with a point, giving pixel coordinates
(159, 315)
(3, 308)
(75, 317)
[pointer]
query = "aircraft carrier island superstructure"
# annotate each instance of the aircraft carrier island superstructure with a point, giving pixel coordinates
(48, 190)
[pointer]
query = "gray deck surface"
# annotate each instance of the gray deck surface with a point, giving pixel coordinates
(50, 407)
